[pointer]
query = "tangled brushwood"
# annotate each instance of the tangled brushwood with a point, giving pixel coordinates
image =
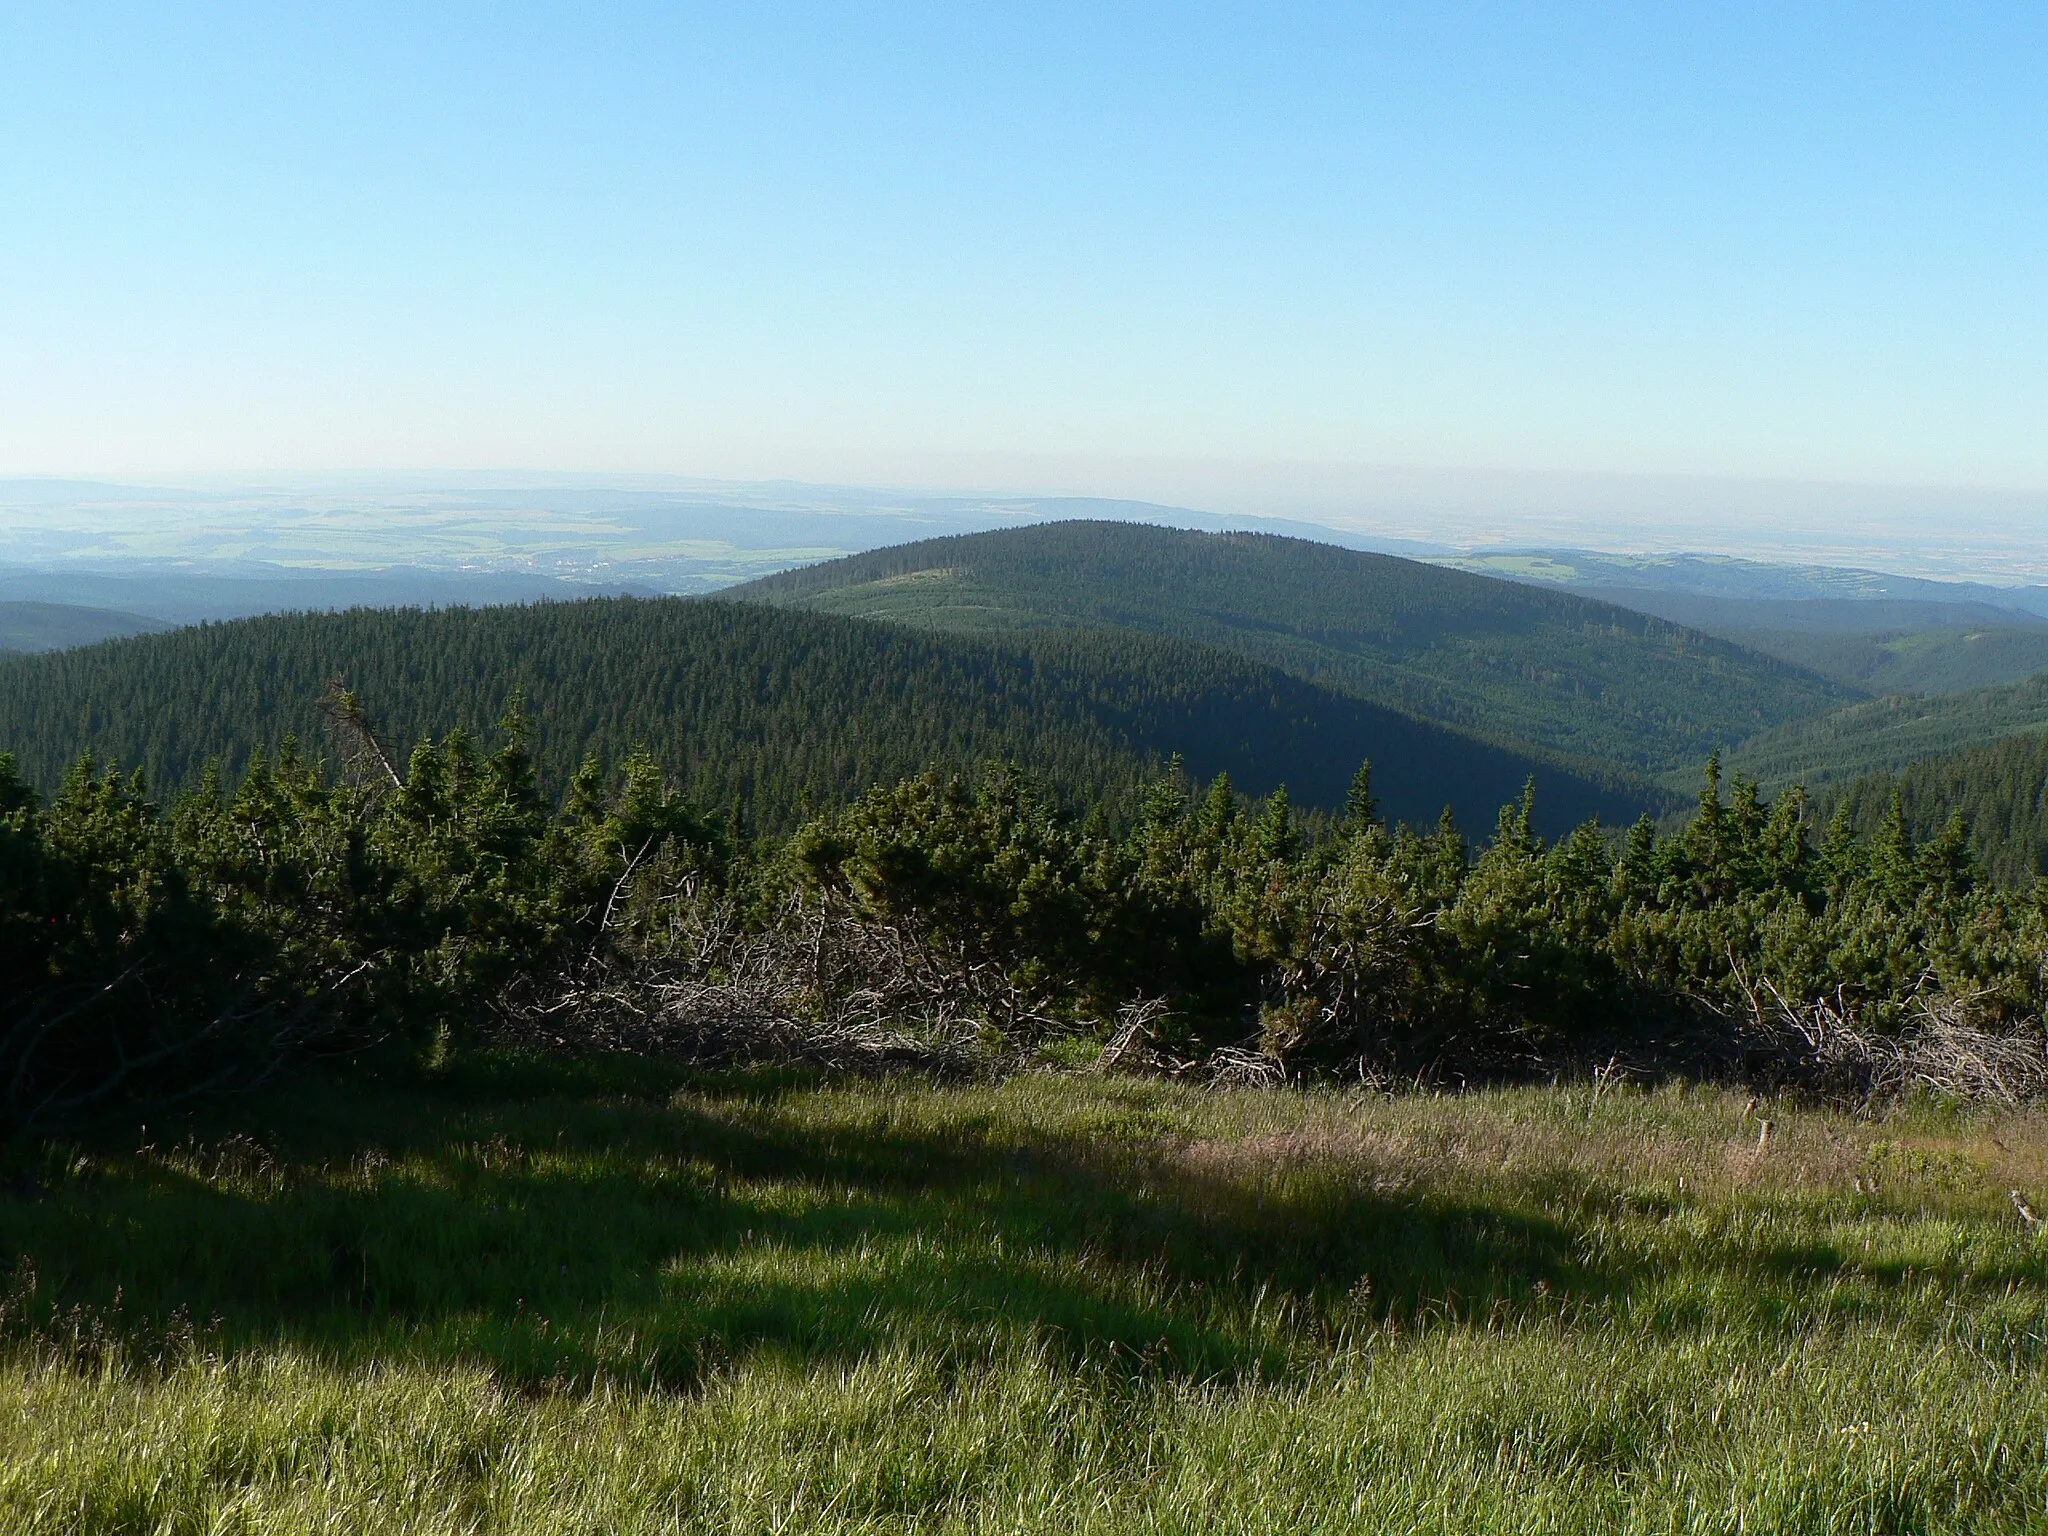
(812, 981)
(967, 927)
(1941, 1048)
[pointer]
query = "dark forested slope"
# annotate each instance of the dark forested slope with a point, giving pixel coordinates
(2000, 790)
(1873, 645)
(1523, 665)
(740, 700)
(1885, 735)
(52, 626)
(1943, 660)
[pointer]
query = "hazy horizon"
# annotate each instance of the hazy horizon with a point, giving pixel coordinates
(368, 518)
(1224, 257)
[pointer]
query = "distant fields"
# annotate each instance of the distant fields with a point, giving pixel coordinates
(516, 1295)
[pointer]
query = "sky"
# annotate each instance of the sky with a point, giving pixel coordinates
(1041, 245)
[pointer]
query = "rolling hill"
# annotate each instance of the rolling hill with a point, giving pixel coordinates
(1875, 645)
(1533, 669)
(1721, 614)
(1730, 577)
(31, 626)
(1885, 735)
(1942, 659)
(775, 707)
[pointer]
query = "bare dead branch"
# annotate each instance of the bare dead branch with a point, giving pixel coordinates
(364, 760)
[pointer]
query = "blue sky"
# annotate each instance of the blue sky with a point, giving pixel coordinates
(898, 242)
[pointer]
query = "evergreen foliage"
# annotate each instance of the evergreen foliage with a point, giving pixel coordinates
(1536, 669)
(1072, 828)
(1885, 735)
(30, 626)
(1948, 659)
(777, 710)
(179, 950)
(2000, 792)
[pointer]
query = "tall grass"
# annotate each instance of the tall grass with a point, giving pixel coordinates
(521, 1295)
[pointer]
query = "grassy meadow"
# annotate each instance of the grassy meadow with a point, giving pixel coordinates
(533, 1295)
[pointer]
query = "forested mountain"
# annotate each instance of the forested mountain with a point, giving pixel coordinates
(1728, 577)
(1525, 666)
(1873, 645)
(1718, 614)
(1947, 659)
(1885, 735)
(2001, 791)
(52, 626)
(777, 708)
(160, 595)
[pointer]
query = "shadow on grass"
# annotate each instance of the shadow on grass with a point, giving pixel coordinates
(564, 1222)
